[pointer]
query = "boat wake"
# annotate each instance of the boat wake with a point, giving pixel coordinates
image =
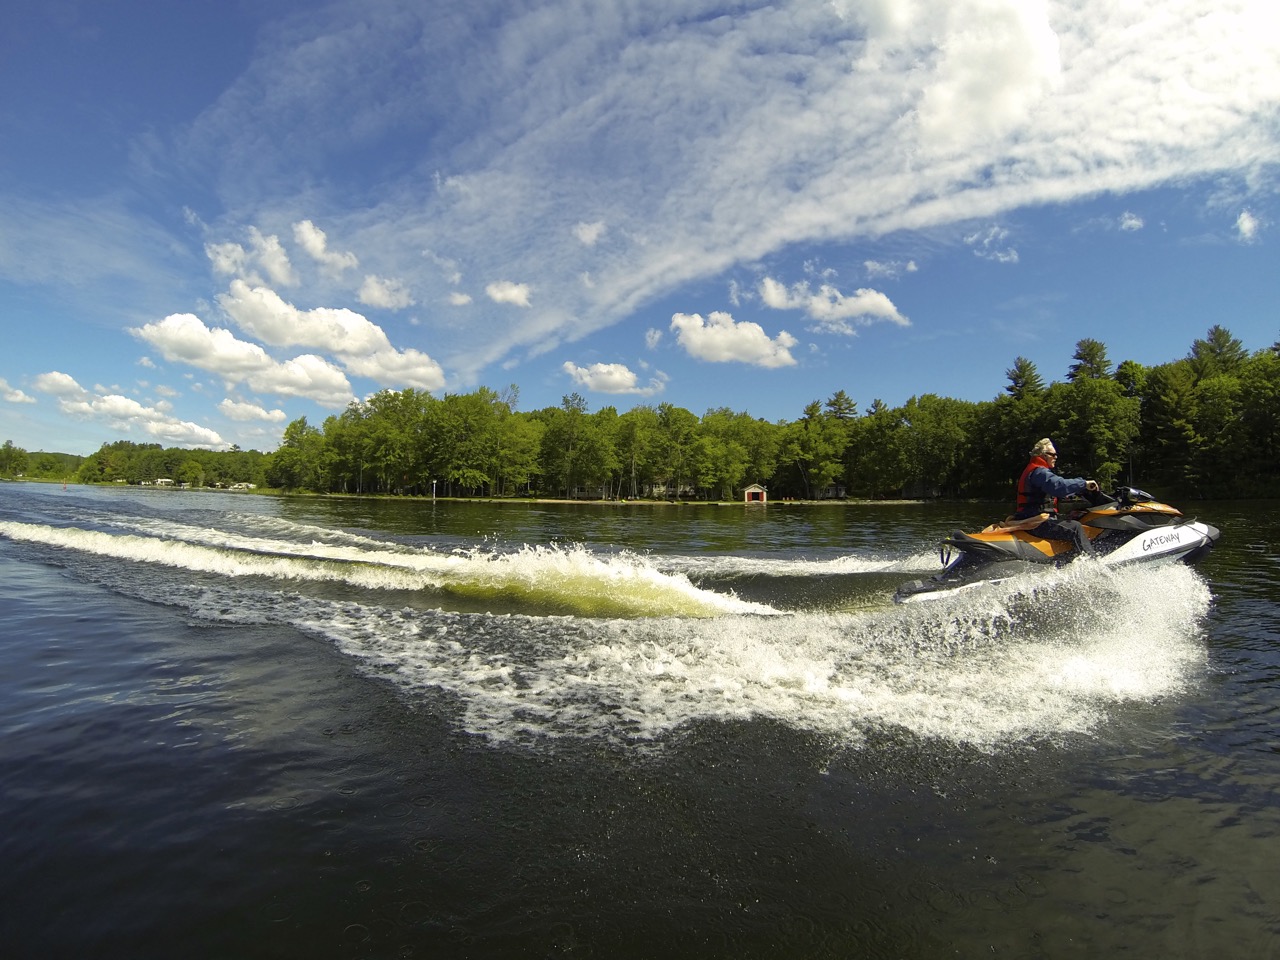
(536, 644)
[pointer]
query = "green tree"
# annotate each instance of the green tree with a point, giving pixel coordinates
(13, 460)
(674, 448)
(935, 438)
(302, 461)
(1024, 379)
(519, 442)
(1217, 353)
(1096, 425)
(841, 406)
(1132, 377)
(878, 466)
(1220, 453)
(1168, 430)
(561, 441)
(1091, 361)
(813, 447)
(637, 441)
(725, 453)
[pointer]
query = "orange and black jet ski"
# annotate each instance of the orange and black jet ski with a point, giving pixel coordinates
(1129, 526)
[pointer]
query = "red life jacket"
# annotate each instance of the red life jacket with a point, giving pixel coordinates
(1031, 502)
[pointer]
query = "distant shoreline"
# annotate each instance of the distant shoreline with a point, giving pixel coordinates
(624, 502)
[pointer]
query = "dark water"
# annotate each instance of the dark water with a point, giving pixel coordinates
(234, 726)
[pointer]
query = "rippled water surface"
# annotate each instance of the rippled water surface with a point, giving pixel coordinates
(250, 726)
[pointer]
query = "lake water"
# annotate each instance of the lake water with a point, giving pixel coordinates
(239, 726)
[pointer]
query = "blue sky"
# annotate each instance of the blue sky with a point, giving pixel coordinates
(218, 217)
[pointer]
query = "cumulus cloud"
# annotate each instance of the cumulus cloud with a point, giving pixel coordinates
(265, 253)
(125, 414)
(459, 299)
(613, 378)
(504, 291)
(1247, 226)
(313, 240)
(834, 311)
(249, 412)
(360, 345)
(381, 292)
(184, 338)
(13, 394)
(1131, 221)
(721, 339)
(307, 376)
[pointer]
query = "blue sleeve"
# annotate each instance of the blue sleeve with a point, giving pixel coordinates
(1054, 485)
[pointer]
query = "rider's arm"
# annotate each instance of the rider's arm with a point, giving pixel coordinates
(1056, 486)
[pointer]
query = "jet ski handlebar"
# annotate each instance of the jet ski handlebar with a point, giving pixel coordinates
(1125, 496)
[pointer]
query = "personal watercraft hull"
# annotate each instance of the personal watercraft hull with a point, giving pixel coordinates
(1131, 528)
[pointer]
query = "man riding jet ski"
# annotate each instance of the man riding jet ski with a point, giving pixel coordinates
(1039, 490)
(1127, 527)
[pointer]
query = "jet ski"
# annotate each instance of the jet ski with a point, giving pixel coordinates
(1128, 526)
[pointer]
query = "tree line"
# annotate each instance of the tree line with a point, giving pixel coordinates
(1204, 425)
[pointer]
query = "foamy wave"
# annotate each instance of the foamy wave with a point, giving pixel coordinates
(728, 566)
(568, 580)
(985, 675)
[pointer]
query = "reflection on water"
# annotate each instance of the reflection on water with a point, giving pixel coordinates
(374, 728)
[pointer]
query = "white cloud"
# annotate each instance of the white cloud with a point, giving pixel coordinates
(720, 339)
(13, 394)
(612, 378)
(247, 412)
(184, 338)
(313, 240)
(892, 269)
(448, 266)
(58, 384)
(266, 254)
(504, 291)
(272, 258)
(381, 292)
(361, 346)
(833, 310)
(995, 64)
(1247, 226)
(459, 299)
(228, 259)
(589, 234)
(1131, 221)
(989, 245)
(307, 376)
(124, 413)
(652, 337)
